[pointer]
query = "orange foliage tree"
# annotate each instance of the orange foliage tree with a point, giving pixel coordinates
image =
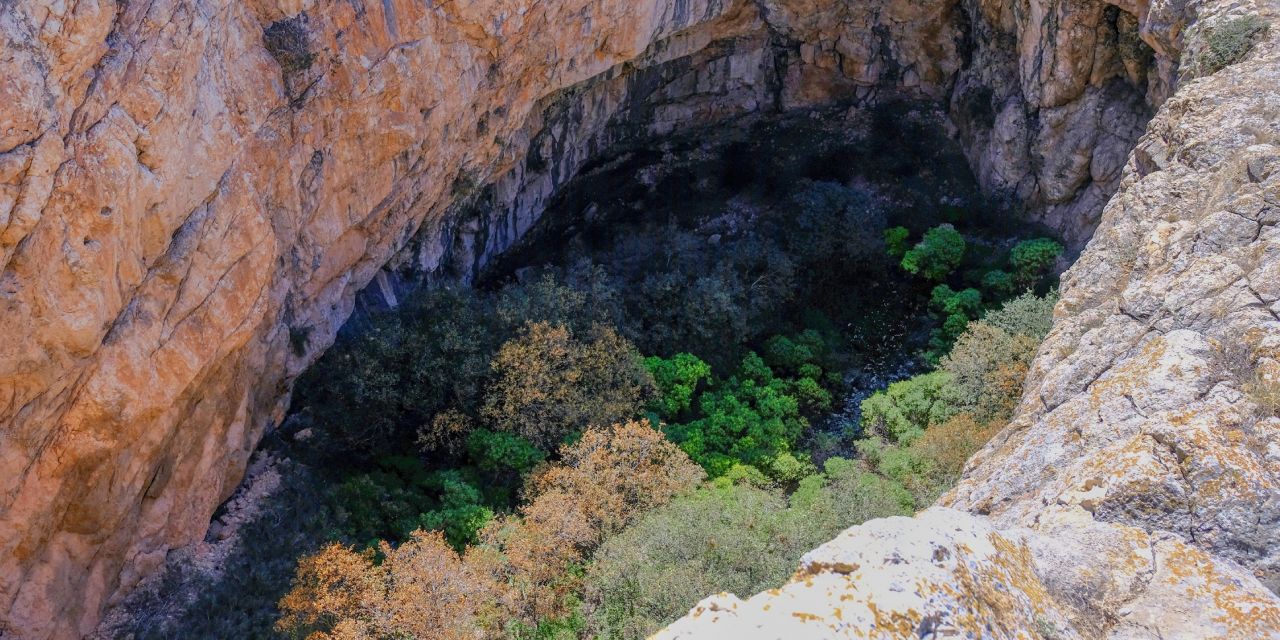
(550, 383)
(522, 571)
(421, 589)
(603, 482)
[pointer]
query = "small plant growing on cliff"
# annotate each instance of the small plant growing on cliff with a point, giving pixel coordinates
(1228, 42)
(937, 255)
(289, 42)
(1048, 630)
(299, 340)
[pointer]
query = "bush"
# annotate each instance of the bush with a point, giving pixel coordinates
(1031, 258)
(1228, 42)
(371, 394)
(948, 446)
(987, 367)
(907, 408)
(835, 228)
(751, 418)
(680, 296)
(895, 241)
(676, 380)
(608, 478)
(998, 283)
(937, 255)
(736, 538)
(967, 303)
(806, 351)
(402, 497)
(1027, 315)
(548, 385)
(420, 370)
(927, 427)
(420, 590)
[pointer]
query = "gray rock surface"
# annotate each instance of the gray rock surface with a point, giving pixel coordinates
(1138, 486)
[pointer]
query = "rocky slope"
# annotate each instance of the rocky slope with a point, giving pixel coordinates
(192, 193)
(1137, 492)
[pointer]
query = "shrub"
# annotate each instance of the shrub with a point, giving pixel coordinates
(987, 367)
(1228, 41)
(421, 589)
(549, 385)
(750, 418)
(792, 354)
(421, 368)
(606, 479)
(497, 451)
(461, 513)
(895, 241)
(393, 502)
(998, 283)
(934, 422)
(844, 495)
(907, 408)
(937, 255)
(785, 467)
(373, 392)
(966, 303)
(810, 394)
(736, 538)
(744, 473)
(676, 380)
(1027, 315)
(834, 227)
(681, 297)
(1031, 258)
(948, 446)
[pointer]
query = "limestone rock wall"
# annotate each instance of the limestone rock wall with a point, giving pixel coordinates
(192, 193)
(1136, 494)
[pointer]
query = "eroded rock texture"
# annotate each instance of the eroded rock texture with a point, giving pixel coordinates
(191, 194)
(1136, 494)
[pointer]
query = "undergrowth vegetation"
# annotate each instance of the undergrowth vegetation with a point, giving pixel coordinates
(1228, 41)
(660, 412)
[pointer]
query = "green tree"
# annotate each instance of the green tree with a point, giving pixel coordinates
(937, 255)
(1031, 258)
(998, 283)
(895, 241)
(676, 379)
(907, 408)
(751, 417)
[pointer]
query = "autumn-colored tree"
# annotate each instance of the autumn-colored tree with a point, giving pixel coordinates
(987, 367)
(421, 589)
(523, 570)
(605, 480)
(950, 444)
(549, 384)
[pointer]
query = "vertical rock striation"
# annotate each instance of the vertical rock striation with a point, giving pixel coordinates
(191, 194)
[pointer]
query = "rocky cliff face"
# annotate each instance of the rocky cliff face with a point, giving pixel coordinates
(191, 194)
(1136, 493)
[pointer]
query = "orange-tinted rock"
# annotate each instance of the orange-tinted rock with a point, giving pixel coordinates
(183, 185)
